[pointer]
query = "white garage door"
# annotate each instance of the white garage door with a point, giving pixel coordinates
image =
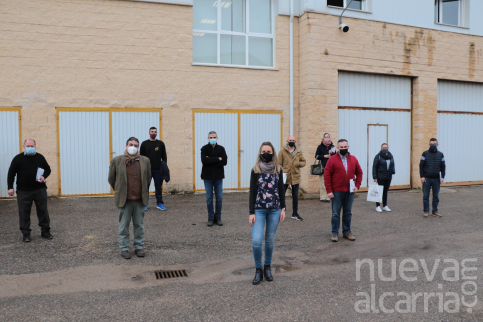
(376, 109)
(85, 145)
(10, 147)
(460, 120)
(241, 144)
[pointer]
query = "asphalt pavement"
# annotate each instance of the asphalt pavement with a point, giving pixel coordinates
(402, 267)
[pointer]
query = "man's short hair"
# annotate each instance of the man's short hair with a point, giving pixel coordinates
(342, 140)
(212, 132)
(384, 144)
(153, 128)
(433, 139)
(35, 143)
(132, 138)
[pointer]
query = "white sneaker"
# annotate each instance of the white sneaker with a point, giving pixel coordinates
(386, 208)
(378, 209)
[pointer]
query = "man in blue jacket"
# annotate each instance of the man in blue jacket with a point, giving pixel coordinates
(432, 169)
(213, 157)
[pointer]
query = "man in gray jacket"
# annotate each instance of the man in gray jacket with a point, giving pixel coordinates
(129, 175)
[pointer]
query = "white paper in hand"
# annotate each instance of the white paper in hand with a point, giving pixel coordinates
(352, 185)
(284, 178)
(40, 172)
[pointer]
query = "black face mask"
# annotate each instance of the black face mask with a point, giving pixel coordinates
(267, 157)
(343, 151)
(385, 151)
(433, 148)
(291, 144)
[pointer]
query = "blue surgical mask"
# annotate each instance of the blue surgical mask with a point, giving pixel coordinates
(213, 141)
(30, 150)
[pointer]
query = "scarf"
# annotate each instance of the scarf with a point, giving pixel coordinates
(327, 144)
(267, 168)
(384, 156)
(130, 158)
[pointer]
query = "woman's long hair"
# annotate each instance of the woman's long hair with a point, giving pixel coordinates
(276, 169)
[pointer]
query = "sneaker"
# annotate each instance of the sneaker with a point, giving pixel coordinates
(334, 238)
(296, 217)
(349, 236)
(210, 222)
(160, 206)
(146, 208)
(26, 238)
(436, 214)
(46, 235)
(378, 209)
(126, 254)
(139, 252)
(386, 208)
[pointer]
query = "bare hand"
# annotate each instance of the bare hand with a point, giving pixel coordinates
(442, 180)
(251, 220)
(220, 158)
(355, 189)
(423, 180)
(375, 180)
(41, 179)
(282, 215)
(330, 195)
(10, 192)
(327, 156)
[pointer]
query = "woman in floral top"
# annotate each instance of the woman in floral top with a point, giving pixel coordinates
(267, 206)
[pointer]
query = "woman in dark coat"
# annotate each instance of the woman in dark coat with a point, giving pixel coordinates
(324, 151)
(382, 170)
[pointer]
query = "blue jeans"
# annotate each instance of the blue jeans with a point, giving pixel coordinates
(158, 185)
(218, 186)
(295, 197)
(342, 200)
(435, 183)
(272, 218)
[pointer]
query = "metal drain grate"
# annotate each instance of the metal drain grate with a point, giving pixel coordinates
(170, 274)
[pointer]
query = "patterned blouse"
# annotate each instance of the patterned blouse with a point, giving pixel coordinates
(268, 194)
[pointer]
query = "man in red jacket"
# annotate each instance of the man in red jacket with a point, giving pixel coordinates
(339, 171)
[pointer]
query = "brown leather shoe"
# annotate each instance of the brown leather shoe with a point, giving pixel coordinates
(334, 238)
(435, 214)
(349, 236)
(425, 215)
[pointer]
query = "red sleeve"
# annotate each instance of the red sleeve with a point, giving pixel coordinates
(358, 173)
(328, 175)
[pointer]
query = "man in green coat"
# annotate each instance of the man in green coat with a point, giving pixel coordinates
(129, 175)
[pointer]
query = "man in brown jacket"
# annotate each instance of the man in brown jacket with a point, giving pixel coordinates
(292, 159)
(129, 175)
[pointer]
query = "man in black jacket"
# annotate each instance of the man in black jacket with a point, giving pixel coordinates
(213, 157)
(30, 188)
(155, 151)
(432, 169)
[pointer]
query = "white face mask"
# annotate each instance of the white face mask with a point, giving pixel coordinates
(326, 139)
(132, 150)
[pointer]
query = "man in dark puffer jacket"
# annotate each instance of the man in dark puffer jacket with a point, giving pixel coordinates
(432, 169)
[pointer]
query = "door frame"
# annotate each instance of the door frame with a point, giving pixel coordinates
(110, 111)
(387, 139)
(239, 112)
(19, 110)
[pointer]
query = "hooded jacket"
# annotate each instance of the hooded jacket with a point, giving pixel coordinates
(291, 166)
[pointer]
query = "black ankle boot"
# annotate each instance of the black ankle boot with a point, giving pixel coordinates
(258, 276)
(268, 273)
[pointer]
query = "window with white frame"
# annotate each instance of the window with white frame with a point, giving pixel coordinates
(355, 4)
(236, 32)
(449, 12)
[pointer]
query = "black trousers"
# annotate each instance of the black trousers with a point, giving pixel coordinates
(386, 184)
(24, 201)
(295, 198)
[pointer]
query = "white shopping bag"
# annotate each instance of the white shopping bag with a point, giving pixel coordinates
(375, 193)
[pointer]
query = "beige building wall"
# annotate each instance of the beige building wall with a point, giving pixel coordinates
(376, 47)
(124, 54)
